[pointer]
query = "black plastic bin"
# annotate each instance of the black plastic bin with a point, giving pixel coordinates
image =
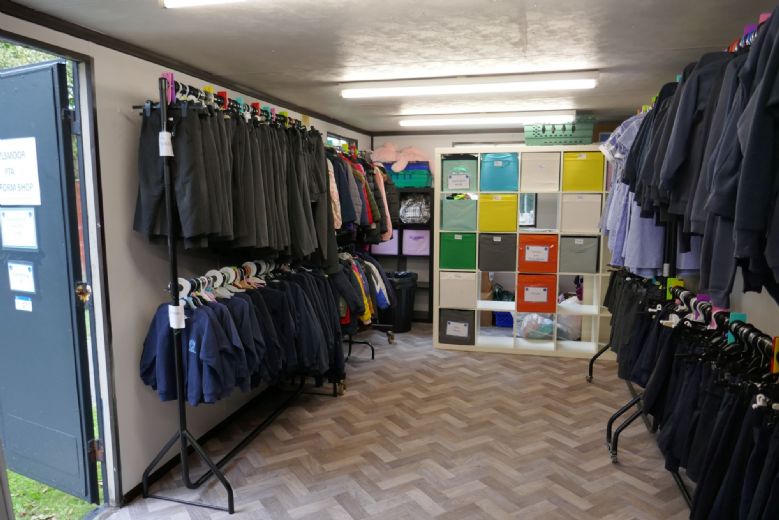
(399, 318)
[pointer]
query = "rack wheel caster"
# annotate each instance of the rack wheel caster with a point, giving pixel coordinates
(589, 379)
(390, 337)
(341, 388)
(614, 458)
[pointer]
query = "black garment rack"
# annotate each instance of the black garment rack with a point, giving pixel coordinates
(183, 436)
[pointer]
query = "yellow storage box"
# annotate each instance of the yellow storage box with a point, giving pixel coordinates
(498, 212)
(583, 171)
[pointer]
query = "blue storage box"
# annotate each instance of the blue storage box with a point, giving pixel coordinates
(499, 172)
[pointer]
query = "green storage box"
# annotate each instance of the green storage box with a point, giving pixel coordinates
(459, 172)
(458, 214)
(458, 251)
(412, 179)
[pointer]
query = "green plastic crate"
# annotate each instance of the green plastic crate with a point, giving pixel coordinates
(555, 135)
(412, 179)
(458, 251)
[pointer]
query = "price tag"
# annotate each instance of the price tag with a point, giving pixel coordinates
(457, 329)
(537, 253)
(536, 294)
(176, 316)
(459, 181)
(166, 144)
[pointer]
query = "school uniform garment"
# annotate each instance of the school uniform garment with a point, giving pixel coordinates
(261, 335)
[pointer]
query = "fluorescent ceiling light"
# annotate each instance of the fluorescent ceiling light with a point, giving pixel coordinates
(474, 85)
(176, 4)
(558, 117)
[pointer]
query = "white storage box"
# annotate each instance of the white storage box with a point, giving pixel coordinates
(457, 290)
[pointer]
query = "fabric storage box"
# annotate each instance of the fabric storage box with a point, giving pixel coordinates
(416, 242)
(497, 252)
(458, 214)
(540, 172)
(456, 327)
(388, 248)
(538, 253)
(579, 255)
(583, 171)
(580, 213)
(499, 172)
(498, 213)
(457, 290)
(459, 172)
(536, 293)
(457, 251)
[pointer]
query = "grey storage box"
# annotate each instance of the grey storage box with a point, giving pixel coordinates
(546, 210)
(456, 327)
(458, 214)
(579, 255)
(497, 252)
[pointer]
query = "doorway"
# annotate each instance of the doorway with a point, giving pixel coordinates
(50, 408)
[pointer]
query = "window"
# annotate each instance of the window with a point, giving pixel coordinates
(337, 141)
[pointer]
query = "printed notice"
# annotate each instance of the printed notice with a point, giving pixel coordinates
(19, 184)
(21, 277)
(537, 253)
(457, 329)
(17, 228)
(536, 294)
(23, 303)
(459, 181)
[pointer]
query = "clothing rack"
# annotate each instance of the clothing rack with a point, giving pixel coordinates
(183, 437)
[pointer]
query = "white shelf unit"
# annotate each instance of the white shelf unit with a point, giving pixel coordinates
(594, 318)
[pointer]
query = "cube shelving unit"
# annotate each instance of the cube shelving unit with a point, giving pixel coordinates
(570, 183)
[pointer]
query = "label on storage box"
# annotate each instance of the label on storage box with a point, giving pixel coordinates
(537, 253)
(578, 241)
(497, 164)
(536, 294)
(497, 239)
(458, 237)
(458, 181)
(457, 329)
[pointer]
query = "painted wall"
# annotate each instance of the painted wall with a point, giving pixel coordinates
(137, 271)
(428, 143)
(760, 308)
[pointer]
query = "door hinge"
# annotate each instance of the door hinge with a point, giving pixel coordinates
(69, 116)
(96, 450)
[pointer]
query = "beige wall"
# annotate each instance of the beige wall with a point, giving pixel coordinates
(137, 271)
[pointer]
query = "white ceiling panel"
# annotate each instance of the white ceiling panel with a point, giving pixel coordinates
(302, 50)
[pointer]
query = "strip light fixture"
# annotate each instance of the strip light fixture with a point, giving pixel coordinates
(473, 85)
(177, 4)
(552, 117)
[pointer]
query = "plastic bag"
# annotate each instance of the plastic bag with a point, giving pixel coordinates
(415, 209)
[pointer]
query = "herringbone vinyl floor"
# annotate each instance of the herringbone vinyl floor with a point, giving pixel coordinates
(422, 434)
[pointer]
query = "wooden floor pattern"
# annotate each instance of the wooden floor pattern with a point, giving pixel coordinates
(422, 434)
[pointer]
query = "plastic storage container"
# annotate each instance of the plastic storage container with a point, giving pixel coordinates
(456, 327)
(416, 242)
(579, 255)
(536, 293)
(580, 213)
(540, 172)
(497, 252)
(538, 253)
(499, 172)
(583, 171)
(457, 290)
(388, 248)
(498, 213)
(458, 214)
(457, 251)
(400, 317)
(459, 172)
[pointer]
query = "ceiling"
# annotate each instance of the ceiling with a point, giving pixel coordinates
(302, 50)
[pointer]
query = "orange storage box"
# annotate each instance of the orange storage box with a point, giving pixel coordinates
(536, 293)
(538, 253)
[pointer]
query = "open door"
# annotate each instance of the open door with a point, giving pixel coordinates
(46, 423)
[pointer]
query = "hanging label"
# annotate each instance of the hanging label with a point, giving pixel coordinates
(176, 316)
(536, 294)
(23, 303)
(457, 329)
(166, 144)
(775, 357)
(19, 184)
(21, 277)
(536, 253)
(458, 181)
(497, 164)
(578, 241)
(17, 228)
(497, 239)
(672, 282)
(458, 237)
